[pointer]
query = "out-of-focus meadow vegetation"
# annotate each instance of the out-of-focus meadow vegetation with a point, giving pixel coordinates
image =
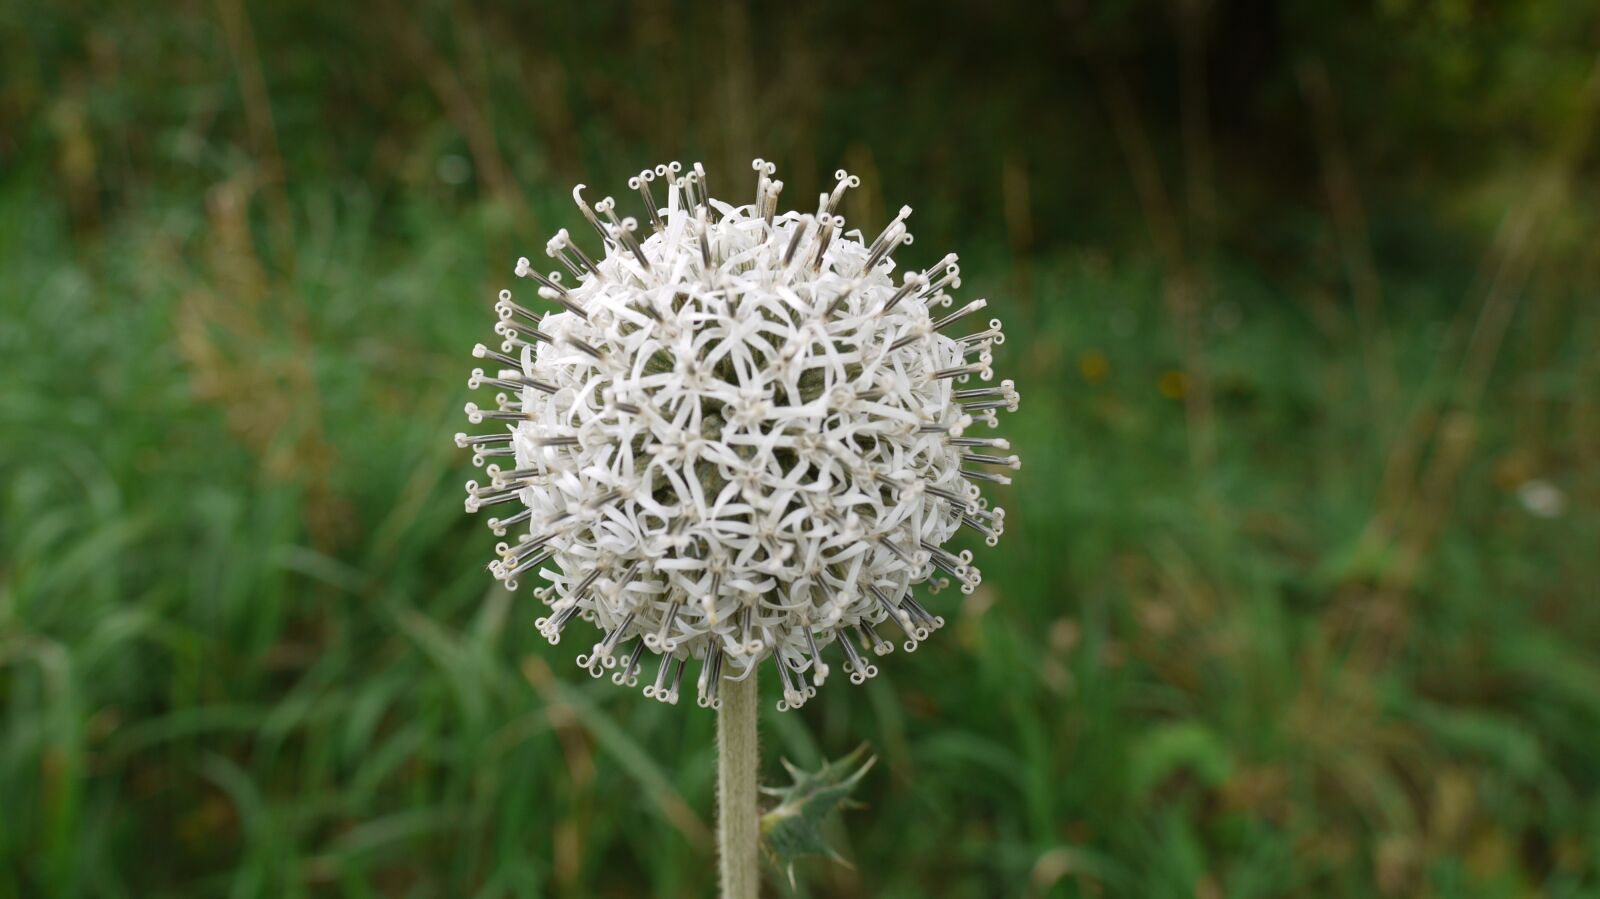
(1299, 595)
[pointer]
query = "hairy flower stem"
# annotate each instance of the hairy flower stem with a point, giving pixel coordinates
(738, 818)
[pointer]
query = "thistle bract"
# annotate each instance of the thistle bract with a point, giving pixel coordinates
(735, 435)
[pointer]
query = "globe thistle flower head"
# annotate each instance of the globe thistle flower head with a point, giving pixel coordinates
(734, 435)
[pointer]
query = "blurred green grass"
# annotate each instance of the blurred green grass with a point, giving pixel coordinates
(1284, 607)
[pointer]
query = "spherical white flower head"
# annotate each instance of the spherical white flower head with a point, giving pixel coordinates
(739, 438)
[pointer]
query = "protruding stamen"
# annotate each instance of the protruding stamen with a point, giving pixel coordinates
(800, 229)
(899, 616)
(556, 249)
(954, 498)
(578, 262)
(896, 551)
(774, 188)
(628, 674)
(529, 564)
(995, 515)
(702, 185)
(551, 627)
(819, 668)
(1008, 404)
(514, 475)
(662, 640)
(991, 442)
(625, 233)
(677, 681)
(746, 645)
(855, 665)
(829, 225)
(916, 611)
(845, 180)
(869, 636)
(889, 232)
(505, 308)
(586, 348)
(526, 547)
(792, 698)
(513, 334)
(709, 600)
(886, 249)
(912, 281)
(943, 267)
(565, 301)
(604, 649)
(951, 277)
(600, 502)
(914, 335)
(937, 428)
(478, 497)
(658, 690)
(764, 171)
(691, 193)
(515, 344)
(466, 440)
(478, 416)
(588, 214)
(625, 577)
(915, 632)
(959, 371)
(961, 562)
(990, 535)
(525, 269)
(641, 183)
(608, 208)
(550, 290)
(1013, 462)
(588, 581)
(483, 352)
(499, 525)
(706, 261)
(556, 440)
(711, 675)
(957, 315)
(839, 302)
(584, 259)
(993, 335)
(516, 382)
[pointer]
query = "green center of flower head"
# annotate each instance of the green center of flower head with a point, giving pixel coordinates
(738, 438)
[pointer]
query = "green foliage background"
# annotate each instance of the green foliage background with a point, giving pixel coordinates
(1299, 595)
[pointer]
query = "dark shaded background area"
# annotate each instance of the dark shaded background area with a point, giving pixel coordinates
(1298, 595)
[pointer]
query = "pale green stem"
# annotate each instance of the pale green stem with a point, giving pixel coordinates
(738, 818)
